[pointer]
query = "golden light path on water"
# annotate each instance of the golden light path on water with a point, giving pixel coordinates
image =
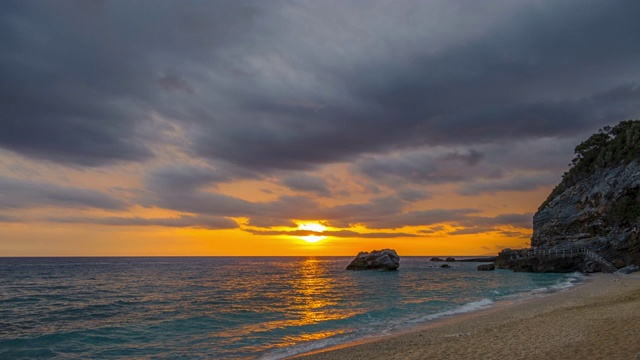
(312, 298)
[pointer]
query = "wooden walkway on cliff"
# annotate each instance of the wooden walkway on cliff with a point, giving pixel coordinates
(575, 251)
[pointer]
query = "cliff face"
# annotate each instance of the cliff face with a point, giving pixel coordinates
(591, 221)
(600, 212)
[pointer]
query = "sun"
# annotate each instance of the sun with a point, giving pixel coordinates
(315, 227)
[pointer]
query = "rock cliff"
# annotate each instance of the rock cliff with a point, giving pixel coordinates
(599, 212)
(593, 214)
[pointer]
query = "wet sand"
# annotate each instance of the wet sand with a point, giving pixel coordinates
(596, 320)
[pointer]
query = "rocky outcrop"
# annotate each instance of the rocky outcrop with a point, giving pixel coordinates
(487, 267)
(524, 261)
(600, 212)
(386, 259)
(628, 269)
(595, 209)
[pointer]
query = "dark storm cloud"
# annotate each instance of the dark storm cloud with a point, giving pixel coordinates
(420, 218)
(8, 219)
(426, 166)
(79, 78)
(19, 194)
(514, 220)
(518, 183)
(185, 177)
(306, 183)
(413, 195)
(539, 73)
(184, 189)
(201, 222)
(387, 212)
(483, 224)
(193, 197)
(471, 231)
(294, 85)
(471, 158)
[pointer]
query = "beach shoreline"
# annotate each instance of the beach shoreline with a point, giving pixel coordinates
(598, 318)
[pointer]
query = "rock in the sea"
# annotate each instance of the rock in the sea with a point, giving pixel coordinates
(445, 266)
(487, 267)
(436, 259)
(628, 269)
(386, 259)
(450, 259)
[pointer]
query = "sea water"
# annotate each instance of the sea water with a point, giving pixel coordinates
(236, 307)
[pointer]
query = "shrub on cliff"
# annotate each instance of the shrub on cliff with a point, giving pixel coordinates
(608, 148)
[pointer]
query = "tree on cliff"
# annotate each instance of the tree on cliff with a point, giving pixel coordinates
(608, 148)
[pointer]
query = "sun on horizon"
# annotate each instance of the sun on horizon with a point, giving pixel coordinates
(316, 228)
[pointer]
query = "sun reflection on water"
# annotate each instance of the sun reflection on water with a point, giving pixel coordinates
(310, 295)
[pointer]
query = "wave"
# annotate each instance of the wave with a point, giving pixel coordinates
(368, 333)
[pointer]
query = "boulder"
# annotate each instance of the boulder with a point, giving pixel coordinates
(487, 267)
(450, 259)
(436, 259)
(628, 269)
(618, 263)
(445, 266)
(386, 259)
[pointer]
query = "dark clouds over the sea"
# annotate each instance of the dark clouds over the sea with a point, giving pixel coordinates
(418, 92)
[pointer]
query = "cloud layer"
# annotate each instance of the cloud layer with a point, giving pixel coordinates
(350, 112)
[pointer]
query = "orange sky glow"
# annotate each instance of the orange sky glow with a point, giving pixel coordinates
(298, 128)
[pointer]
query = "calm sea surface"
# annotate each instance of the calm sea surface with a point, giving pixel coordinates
(211, 307)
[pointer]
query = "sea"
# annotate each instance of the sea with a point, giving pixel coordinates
(232, 307)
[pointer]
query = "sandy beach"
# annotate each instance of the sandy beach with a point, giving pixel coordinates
(599, 319)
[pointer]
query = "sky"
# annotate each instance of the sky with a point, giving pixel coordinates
(224, 128)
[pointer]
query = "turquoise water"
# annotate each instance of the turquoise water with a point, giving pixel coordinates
(264, 308)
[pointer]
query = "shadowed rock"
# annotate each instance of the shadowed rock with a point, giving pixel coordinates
(386, 259)
(487, 267)
(628, 269)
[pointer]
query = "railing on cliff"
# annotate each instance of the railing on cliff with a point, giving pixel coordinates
(573, 252)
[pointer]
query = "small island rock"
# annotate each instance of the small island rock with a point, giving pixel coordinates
(450, 259)
(385, 259)
(445, 266)
(487, 267)
(436, 259)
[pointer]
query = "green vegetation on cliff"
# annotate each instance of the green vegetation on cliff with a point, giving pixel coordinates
(609, 147)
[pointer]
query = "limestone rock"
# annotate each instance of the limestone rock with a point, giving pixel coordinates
(595, 213)
(487, 267)
(386, 259)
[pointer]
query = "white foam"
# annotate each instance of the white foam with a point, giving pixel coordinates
(465, 308)
(393, 325)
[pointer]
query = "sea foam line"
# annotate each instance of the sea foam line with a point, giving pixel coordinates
(330, 342)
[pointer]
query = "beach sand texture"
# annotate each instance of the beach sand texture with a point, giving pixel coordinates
(597, 320)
